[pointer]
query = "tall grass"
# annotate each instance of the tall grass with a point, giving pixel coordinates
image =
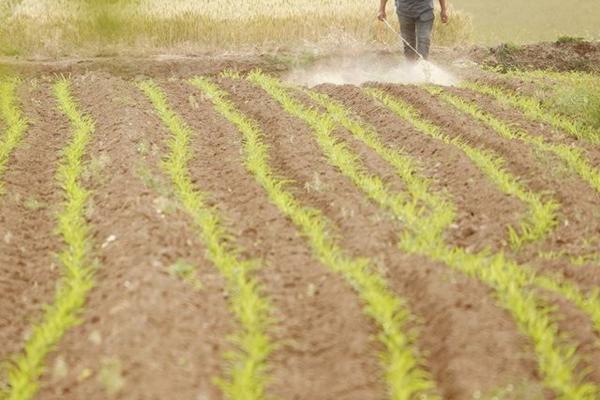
(575, 95)
(586, 100)
(92, 27)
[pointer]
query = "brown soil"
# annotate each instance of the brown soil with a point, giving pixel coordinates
(576, 55)
(28, 267)
(546, 173)
(162, 339)
(478, 225)
(447, 303)
(166, 338)
(155, 66)
(327, 348)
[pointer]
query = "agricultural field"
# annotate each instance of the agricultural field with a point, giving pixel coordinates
(229, 235)
(204, 221)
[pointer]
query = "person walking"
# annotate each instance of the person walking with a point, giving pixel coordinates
(416, 24)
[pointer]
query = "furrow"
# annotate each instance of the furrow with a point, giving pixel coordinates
(77, 271)
(541, 218)
(405, 166)
(248, 374)
(533, 109)
(556, 360)
(15, 121)
(541, 172)
(571, 156)
(405, 377)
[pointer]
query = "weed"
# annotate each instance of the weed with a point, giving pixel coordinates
(565, 39)
(111, 376)
(33, 204)
(186, 272)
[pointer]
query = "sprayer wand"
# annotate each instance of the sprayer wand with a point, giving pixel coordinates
(403, 40)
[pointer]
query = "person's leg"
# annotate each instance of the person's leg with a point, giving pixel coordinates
(424, 30)
(408, 31)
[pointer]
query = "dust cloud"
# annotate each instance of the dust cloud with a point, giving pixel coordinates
(372, 68)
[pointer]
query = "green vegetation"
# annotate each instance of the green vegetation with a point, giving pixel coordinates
(415, 206)
(532, 108)
(510, 281)
(14, 120)
(566, 39)
(541, 218)
(571, 156)
(186, 272)
(248, 366)
(77, 272)
(576, 260)
(574, 95)
(403, 369)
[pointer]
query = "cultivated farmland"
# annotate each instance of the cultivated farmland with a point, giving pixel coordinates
(224, 234)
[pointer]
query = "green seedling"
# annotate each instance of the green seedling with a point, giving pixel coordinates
(247, 373)
(14, 120)
(571, 156)
(541, 218)
(405, 376)
(186, 272)
(510, 281)
(532, 108)
(77, 270)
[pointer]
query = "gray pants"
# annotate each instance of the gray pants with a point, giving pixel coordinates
(417, 32)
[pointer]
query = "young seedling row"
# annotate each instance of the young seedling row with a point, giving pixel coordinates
(421, 215)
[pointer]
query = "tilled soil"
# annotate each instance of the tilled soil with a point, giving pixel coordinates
(147, 334)
(328, 349)
(448, 302)
(28, 264)
(165, 339)
(568, 55)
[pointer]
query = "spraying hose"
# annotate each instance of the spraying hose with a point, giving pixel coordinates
(403, 40)
(425, 65)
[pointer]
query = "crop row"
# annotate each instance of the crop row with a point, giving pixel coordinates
(533, 109)
(425, 216)
(510, 281)
(572, 96)
(541, 218)
(16, 123)
(573, 157)
(76, 269)
(403, 368)
(247, 369)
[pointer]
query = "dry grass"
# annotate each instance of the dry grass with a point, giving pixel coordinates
(93, 27)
